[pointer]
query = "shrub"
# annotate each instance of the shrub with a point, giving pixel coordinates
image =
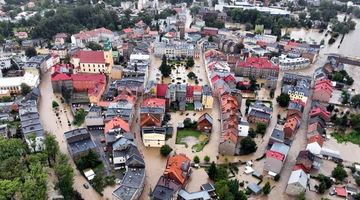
(207, 159)
(196, 159)
(165, 150)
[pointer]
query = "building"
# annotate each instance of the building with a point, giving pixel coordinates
(207, 97)
(205, 123)
(201, 195)
(97, 35)
(307, 161)
(256, 67)
(165, 189)
(291, 125)
(323, 90)
(116, 125)
(297, 183)
(289, 63)
(209, 31)
(127, 156)
(79, 143)
(153, 136)
(178, 168)
(275, 158)
(13, 84)
(92, 62)
(243, 128)
(42, 62)
(175, 50)
(94, 118)
(31, 126)
(259, 113)
(295, 107)
(315, 144)
(152, 112)
(254, 188)
(277, 136)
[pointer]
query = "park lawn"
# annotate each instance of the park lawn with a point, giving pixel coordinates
(352, 137)
(189, 106)
(186, 133)
(203, 140)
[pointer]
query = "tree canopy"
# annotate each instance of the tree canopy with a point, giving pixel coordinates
(283, 100)
(248, 146)
(339, 173)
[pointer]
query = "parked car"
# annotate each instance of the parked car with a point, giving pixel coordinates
(86, 186)
(102, 140)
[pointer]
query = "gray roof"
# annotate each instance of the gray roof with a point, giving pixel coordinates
(293, 105)
(162, 193)
(153, 129)
(280, 147)
(298, 176)
(277, 134)
(259, 114)
(131, 185)
(201, 195)
(208, 187)
(255, 188)
(207, 117)
(81, 146)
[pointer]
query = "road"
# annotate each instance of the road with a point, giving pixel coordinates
(52, 124)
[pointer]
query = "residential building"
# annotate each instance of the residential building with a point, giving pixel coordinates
(94, 118)
(152, 112)
(277, 136)
(42, 62)
(174, 50)
(207, 97)
(165, 189)
(201, 195)
(133, 181)
(315, 144)
(178, 168)
(31, 126)
(205, 123)
(96, 35)
(92, 62)
(259, 113)
(153, 136)
(306, 161)
(296, 107)
(291, 125)
(254, 188)
(319, 112)
(323, 90)
(297, 183)
(256, 67)
(123, 106)
(275, 158)
(189, 94)
(79, 143)
(116, 125)
(197, 93)
(243, 128)
(209, 31)
(181, 92)
(288, 63)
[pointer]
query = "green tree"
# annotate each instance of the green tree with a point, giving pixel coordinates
(339, 173)
(261, 128)
(191, 75)
(267, 188)
(65, 175)
(6, 99)
(30, 52)
(79, 117)
(34, 186)
(357, 180)
(283, 99)
(212, 171)
(223, 190)
(345, 97)
(190, 62)
(355, 122)
(207, 159)
(221, 174)
(301, 196)
(8, 188)
(196, 159)
(210, 39)
(25, 89)
(55, 104)
(51, 147)
(248, 146)
(165, 69)
(321, 188)
(252, 83)
(94, 46)
(277, 177)
(165, 150)
(355, 101)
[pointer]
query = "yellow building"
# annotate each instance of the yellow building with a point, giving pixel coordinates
(153, 136)
(92, 62)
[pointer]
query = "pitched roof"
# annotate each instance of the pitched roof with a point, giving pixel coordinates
(176, 166)
(207, 117)
(260, 63)
(280, 147)
(275, 155)
(189, 91)
(116, 122)
(148, 118)
(298, 176)
(154, 103)
(292, 122)
(316, 138)
(90, 56)
(161, 90)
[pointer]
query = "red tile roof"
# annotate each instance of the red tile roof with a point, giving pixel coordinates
(316, 138)
(161, 90)
(90, 56)
(189, 91)
(316, 111)
(215, 78)
(174, 168)
(147, 119)
(128, 30)
(255, 62)
(60, 77)
(274, 154)
(116, 122)
(340, 191)
(197, 88)
(154, 102)
(229, 78)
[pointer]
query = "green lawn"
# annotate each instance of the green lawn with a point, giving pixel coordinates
(186, 133)
(352, 137)
(189, 106)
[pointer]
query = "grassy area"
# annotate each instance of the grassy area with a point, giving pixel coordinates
(186, 133)
(353, 137)
(189, 106)
(203, 140)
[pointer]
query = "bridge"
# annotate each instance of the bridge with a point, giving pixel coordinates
(345, 59)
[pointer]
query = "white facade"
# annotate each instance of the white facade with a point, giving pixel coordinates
(297, 182)
(174, 50)
(314, 148)
(13, 84)
(291, 63)
(96, 35)
(153, 140)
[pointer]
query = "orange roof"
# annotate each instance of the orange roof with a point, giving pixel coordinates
(116, 122)
(316, 138)
(149, 120)
(126, 95)
(197, 88)
(174, 168)
(154, 102)
(291, 122)
(230, 135)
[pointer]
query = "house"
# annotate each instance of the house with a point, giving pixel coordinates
(315, 144)
(297, 183)
(94, 118)
(165, 189)
(153, 136)
(189, 94)
(31, 125)
(291, 125)
(209, 31)
(321, 112)
(123, 149)
(133, 181)
(254, 188)
(275, 158)
(31, 78)
(152, 112)
(181, 92)
(277, 136)
(116, 125)
(198, 106)
(323, 90)
(316, 126)
(178, 168)
(197, 95)
(259, 112)
(256, 67)
(162, 91)
(205, 123)
(201, 195)
(243, 128)
(295, 107)
(94, 62)
(207, 97)
(96, 35)
(79, 143)
(306, 161)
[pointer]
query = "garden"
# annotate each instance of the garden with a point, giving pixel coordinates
(190, 136)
